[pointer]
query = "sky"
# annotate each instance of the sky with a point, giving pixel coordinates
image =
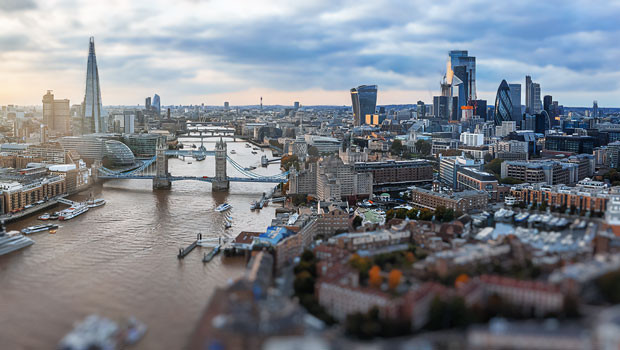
(211, 51)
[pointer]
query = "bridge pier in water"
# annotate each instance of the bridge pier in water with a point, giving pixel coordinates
(220, 182)
(161, 181)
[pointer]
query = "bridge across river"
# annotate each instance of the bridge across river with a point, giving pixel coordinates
(162, 179)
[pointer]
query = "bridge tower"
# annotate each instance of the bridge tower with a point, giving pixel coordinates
(221, 182)
(162, 177)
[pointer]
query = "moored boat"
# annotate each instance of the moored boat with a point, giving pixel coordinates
(45, 216)
(93, 203)
(72, 212)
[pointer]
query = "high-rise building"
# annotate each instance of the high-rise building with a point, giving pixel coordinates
(364, 101)
(56, 115)
(548, 104)
(595, 109)
(458, 58)
(93, 119)
(147, 103)
(503, 104)
(157, 104)
(536, 103)
(528, 94)
(440, 107)
(296, 105)
(226, 105)
(515, 98)
(480, 109)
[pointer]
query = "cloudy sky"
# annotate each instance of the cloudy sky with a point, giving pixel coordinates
(211, 51)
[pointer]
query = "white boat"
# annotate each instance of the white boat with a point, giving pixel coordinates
(12, 241)
(93, 203)
(39, 228)
(233, 152)
(223, 207)
(72, 212)
(45, 216)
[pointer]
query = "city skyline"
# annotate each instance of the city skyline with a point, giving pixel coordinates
(315, 59)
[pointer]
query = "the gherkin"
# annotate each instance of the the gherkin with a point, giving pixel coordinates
(503, 104)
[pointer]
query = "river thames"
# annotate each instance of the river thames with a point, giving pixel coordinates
(120, 260)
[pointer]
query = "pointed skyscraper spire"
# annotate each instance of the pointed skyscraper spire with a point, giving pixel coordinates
(93, 121)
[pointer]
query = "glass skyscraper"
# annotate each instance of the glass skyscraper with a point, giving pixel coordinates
(364, 101)
(503, 105)
(156, 104)
(93, 120)
(458, 58)
(515, 98)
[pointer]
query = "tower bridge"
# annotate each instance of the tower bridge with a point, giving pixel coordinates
(156, 169)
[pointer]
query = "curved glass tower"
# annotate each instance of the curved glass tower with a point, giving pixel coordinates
(503, 104)
(93, 121)
(156, 104)
(364, 101)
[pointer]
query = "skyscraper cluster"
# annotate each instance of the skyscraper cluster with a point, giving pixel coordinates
(458, 89)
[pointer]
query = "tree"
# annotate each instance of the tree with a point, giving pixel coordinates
(401, 213)
(313, 151)
(412, 213)
(397, 147)
(389, 215)
(357, 222)
(304, 283)
(510, 181)
(374, 276)
(439, 212)
(494, 166)
(448, 215)
(488, 158)
(394, 278)
(426, 215)
(423, 147)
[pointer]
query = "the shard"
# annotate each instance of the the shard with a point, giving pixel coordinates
(93, 121)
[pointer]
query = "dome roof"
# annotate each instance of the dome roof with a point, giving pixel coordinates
(117, 154)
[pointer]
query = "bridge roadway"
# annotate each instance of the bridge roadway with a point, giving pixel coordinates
(197, 178)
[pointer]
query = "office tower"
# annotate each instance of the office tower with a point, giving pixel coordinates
(157, 104)
(535, 94)
(421, 109)
(147, 103)
(595, 109)
(226, 105)
(528, 94)
(296, 105)
(503, 105)
(461, 58)
(93, 119)
(543, 122)
(129, 121)
(440, 107)
(548, 104)
(364, 101)
(460, 82)
(56, 115)
(515, 98)
(480, 109)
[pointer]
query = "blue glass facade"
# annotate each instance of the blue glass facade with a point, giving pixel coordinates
(503, 104)
(364, 101)
(156, 104)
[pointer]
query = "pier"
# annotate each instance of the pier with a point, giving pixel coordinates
(184, 251)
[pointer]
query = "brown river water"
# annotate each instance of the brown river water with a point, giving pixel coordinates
(120, 260)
